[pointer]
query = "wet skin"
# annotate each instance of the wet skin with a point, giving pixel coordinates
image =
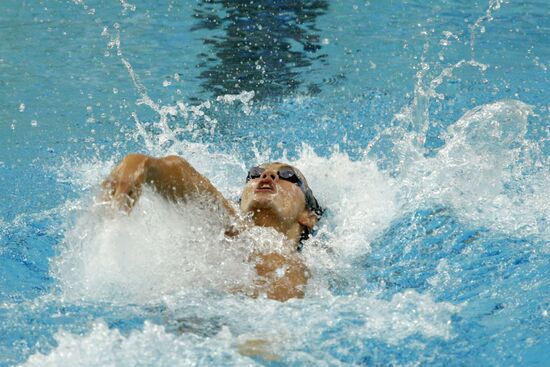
(268, 199)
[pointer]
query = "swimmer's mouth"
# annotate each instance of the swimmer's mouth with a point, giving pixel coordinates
(265, 186)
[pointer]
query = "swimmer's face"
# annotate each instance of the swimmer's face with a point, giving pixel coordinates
(277, 189)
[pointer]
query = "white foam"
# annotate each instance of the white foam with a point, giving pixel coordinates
(160, 248)
(361, 200)
(289, 332)
(152, 346)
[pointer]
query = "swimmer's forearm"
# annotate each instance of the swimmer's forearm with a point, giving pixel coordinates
(172, 177)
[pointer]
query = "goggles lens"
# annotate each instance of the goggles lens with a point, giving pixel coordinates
(254, 172)
(288, 174)
(285, 173)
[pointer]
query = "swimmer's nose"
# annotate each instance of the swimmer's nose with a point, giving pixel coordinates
(269, 174)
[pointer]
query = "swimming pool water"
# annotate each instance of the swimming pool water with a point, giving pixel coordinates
(423, 127)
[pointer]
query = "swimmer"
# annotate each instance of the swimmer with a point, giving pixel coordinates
(275, 195)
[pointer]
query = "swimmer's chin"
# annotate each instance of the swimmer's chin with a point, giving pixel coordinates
(260, 202)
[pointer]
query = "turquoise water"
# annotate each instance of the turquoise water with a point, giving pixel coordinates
(423, 127)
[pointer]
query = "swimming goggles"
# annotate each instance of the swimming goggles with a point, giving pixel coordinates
(285, 173)
(290, 175)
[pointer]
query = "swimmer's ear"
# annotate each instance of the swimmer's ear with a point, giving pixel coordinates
(308, 219)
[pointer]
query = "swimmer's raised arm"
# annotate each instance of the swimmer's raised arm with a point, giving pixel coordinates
(172, 177)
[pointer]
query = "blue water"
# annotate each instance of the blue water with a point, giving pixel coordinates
(423, 127)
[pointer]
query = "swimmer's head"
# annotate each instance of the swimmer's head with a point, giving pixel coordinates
(279, 196)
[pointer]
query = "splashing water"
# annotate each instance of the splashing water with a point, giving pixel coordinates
(488, 170)
(429, 253)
